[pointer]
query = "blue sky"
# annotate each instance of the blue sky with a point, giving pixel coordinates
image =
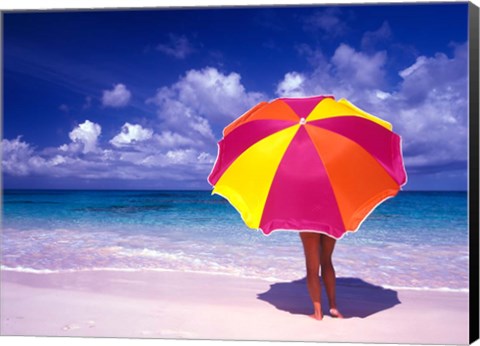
(138, 99)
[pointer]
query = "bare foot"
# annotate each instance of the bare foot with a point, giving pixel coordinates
(335, 313)
(317, 316)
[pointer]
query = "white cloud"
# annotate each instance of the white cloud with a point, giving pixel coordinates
(58, 160)
(131, 134)
(16, 154)
(371, 38)
(178, 47)
(206, 157)
(86, 134)
(215, 95)
(432, 110)
(181, 118)
(21, 159)
(357, 68)
(421, 60)
(291, 85)
(329, 21)
(202, 99)
(348, 73)
(382, 95)
(168, 139)
(118, 97)
(190, 158)
(181, 155)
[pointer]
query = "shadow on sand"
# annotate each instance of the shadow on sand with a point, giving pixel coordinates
(355, 297)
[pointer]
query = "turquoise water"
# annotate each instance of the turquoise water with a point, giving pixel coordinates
(417, 240)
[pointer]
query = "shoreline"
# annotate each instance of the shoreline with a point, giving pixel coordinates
(170, 304)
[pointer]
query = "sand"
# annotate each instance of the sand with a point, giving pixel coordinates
(154, 304)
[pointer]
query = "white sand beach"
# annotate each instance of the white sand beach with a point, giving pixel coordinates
(181, 305)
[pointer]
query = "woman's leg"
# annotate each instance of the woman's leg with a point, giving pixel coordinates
(311, 247)
(327, 245)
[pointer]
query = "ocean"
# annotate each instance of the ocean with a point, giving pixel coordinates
(417, 240)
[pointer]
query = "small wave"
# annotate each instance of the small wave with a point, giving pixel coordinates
(132, 270)
(59, 271)
(29, 270)
(426, 288)
(126, 209)
(29, 202)
(38, 192)
(149, 253)
(155, 194)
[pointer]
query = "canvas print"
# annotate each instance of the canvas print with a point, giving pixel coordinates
(282, 173)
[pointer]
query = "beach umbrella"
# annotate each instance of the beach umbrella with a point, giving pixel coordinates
(307, 164)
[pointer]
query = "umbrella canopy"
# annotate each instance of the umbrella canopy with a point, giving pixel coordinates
(307, 164)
